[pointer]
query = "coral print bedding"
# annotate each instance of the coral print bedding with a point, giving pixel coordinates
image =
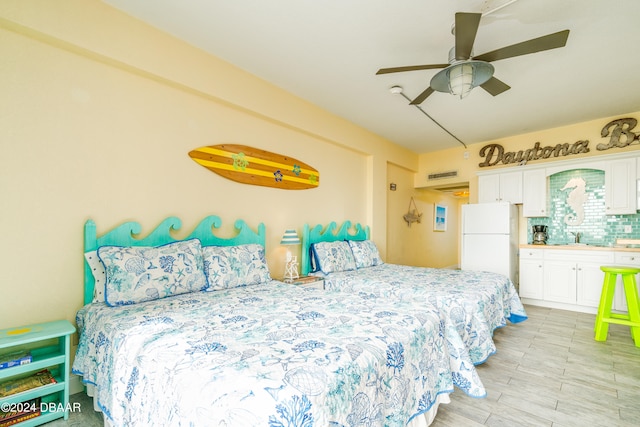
(231, 266)
(137, 274)
(475, 302)
(194, 332)
(270, 355)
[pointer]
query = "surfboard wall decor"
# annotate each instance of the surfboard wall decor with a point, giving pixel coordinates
(250, 165)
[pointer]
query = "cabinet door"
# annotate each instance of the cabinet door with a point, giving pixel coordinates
(620, 187)
(560, 281)
(534, 193)
(500, 187)
(511, 187)
(488, 188)
(531, 278)
(589, 284)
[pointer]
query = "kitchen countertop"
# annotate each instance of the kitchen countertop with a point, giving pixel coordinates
(580, 247)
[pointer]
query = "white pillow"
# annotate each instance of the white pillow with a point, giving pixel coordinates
(99, 275)
(143, 273)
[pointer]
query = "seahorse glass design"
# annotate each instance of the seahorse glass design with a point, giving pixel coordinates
(576, 199)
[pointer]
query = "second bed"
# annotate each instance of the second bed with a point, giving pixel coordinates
(476, 302)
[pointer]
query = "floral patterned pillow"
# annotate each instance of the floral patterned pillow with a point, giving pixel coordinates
(143, 273)
(333, 256)
(232, 266)
(365, 253)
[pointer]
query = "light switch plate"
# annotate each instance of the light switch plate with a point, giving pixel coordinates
(628, 229)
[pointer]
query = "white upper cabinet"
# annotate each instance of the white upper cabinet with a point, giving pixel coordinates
(488, 188)
(534, 193)
(529, 185)
(620, 187)
(500, 187)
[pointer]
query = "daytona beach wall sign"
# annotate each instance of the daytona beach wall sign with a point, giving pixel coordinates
(619, 132)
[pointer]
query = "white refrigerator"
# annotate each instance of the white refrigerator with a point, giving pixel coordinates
(490, 238)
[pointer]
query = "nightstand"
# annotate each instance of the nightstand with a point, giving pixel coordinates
(309, 282)
(49, 345)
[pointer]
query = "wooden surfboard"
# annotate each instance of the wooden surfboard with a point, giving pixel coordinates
(250, 165)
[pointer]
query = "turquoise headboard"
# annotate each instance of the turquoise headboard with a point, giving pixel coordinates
(328, 234)
(128, 234)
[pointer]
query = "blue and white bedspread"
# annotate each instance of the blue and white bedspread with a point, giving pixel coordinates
(475, 302)
(270, 355)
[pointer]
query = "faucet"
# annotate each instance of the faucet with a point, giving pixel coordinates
(577, 237)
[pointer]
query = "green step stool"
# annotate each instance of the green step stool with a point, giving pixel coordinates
(605, 316)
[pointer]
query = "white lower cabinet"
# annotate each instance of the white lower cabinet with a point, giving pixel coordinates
(560, 281)
(531, 273)
(589, 284)
(565, 278)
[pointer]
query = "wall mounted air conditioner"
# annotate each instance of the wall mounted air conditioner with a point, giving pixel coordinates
(442, 175)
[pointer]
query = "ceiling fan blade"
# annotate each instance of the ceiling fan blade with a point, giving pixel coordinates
(550, 41)
(410, 68)
(495, 86)
(420, 98)
(466, 29)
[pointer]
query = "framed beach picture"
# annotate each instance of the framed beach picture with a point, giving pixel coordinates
(440, 218)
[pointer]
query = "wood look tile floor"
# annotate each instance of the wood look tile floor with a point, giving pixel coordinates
(548, 371)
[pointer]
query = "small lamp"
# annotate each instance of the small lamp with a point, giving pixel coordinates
(289, 238)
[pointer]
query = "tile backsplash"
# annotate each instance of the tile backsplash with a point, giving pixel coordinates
(596, 227)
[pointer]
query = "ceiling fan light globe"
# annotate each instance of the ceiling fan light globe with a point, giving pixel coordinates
(482, 72)
(460, 78)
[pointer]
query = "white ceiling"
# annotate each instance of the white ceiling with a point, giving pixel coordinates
(328, 51)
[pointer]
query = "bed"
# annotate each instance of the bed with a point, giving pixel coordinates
(245, 350)
(475, 302)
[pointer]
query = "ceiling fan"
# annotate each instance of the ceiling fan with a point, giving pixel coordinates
(464, 71)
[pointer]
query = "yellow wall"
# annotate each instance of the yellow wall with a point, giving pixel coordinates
(97, 116)
(418, 244)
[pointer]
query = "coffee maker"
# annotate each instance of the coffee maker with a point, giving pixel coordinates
(539, 234)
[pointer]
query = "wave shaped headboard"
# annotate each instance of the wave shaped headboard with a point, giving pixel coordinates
(128, 234)
(331, 233)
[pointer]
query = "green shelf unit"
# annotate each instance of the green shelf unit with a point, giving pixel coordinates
(38, 363)
(44, 390)
(44, 417)
(49, 344)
